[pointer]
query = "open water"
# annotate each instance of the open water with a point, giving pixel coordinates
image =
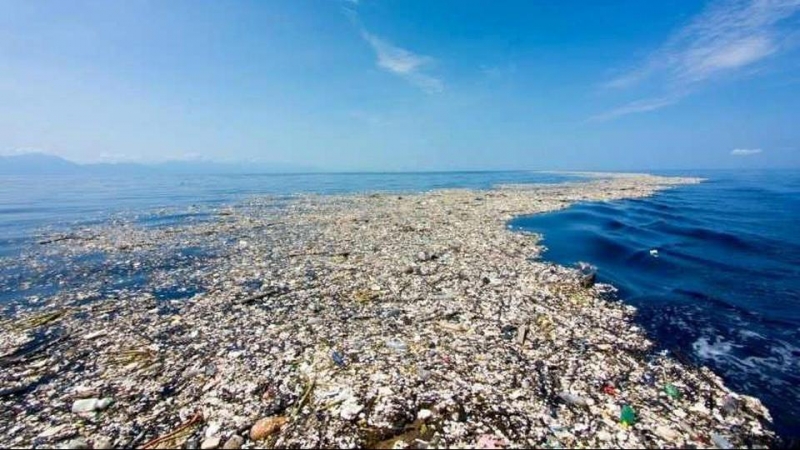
(714, 270)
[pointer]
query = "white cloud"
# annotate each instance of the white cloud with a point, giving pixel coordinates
(396, 60)
(703, 62)
(745, 151)
(627, 80)
(727, 36)
(404, 63)
(638, 106)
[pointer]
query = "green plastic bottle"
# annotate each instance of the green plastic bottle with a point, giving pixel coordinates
(672, 391)
(627, 416)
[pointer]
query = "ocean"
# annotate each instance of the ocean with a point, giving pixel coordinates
(30, 205)
(714, 268)
(32, 209)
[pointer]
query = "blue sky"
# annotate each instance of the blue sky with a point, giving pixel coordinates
(405, 85)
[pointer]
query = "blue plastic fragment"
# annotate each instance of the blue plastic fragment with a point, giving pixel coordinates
(338, 359)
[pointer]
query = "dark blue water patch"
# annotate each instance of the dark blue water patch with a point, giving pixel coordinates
(91, 276)
(133, 280)
(723, 283)
(91, 259)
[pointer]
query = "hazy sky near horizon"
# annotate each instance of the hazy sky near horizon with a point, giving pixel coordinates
(405, 85)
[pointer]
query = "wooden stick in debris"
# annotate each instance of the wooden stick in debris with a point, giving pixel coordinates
(332, 255)
(66, 238)
(197, 418)
(273, 291)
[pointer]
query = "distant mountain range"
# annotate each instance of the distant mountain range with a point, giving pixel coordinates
(44, 164)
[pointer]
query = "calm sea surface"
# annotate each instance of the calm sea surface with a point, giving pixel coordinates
(723, 286)
(29, 204)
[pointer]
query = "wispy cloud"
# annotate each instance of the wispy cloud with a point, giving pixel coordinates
(404, 63)
(727, 36)
(396, 60)
(745, 151)
(638, 106)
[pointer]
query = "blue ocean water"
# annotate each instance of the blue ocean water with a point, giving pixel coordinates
(723, 285)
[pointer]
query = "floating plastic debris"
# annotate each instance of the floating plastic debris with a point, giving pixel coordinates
(338, 359)
(627, 415)
(508, 332)
(720, 441)
(730, 404)
(609, 389)
(672, 391)
(397, 345)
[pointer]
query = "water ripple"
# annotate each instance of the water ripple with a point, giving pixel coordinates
(724, 285)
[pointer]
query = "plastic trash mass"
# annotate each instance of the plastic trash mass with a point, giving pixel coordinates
(323, 351)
